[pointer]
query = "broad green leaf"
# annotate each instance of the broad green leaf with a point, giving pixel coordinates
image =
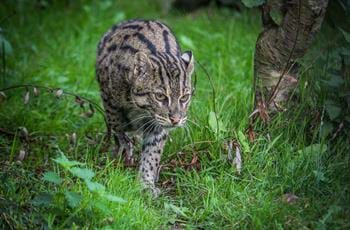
(213, 124)
(114, 198)
(335, 81)
(243, 141)
(315, 148)
(326, 129)
(105, 5)
(347, 118)
(222, 128)
(65, 163)
(101, 206)
(319, 176)
(52, 177)
(333, 110)
(346, 35)
(276, 16)
(345, 51)
(119, 17)
(253, 3)
(95, 186)
(187, 42)
(73, 198)
(87, 8)
(43, 199)
(175, 209)
(83, 173)
(5, 46)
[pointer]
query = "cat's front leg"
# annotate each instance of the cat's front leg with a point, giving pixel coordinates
(126, 148)
(152, 148)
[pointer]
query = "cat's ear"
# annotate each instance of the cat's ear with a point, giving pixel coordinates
(142, 67)
(188, 58)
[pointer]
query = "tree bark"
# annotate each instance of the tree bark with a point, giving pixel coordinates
(279, 46)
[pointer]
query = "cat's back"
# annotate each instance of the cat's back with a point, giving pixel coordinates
(124, 40)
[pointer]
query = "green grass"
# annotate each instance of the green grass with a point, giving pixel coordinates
(55, 47)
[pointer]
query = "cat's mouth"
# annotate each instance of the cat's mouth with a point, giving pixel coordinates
(168, 123)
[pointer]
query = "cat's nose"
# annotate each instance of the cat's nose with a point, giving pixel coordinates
(175, 119)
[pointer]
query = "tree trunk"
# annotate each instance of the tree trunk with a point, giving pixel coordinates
(278, 47)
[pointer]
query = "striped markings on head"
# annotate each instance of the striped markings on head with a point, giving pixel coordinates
(143, 65)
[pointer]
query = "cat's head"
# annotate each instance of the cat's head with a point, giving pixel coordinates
(161, 85)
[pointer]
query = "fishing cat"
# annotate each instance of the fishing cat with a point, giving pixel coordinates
(145, 84)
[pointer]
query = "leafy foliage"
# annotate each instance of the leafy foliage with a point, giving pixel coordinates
(65, 163)
(83, 173)
(52, 177)
(333, 87)
(52, 200)
(253, 3)
(87, 175)
(346, 35)
(73, 198)
(5, 46)
(216, 125)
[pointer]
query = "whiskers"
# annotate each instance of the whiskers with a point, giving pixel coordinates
(153, 125)
(137, 119)
(193, 122)
(162, 120)
(147, 126)
(183, 122)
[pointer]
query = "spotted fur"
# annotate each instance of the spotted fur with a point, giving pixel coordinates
(145, 84)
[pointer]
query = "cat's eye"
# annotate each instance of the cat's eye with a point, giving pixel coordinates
(160, 96)
(185, 98)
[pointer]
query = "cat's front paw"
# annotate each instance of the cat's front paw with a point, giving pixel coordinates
(150, 187)
(155, 192)
(129, 161)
